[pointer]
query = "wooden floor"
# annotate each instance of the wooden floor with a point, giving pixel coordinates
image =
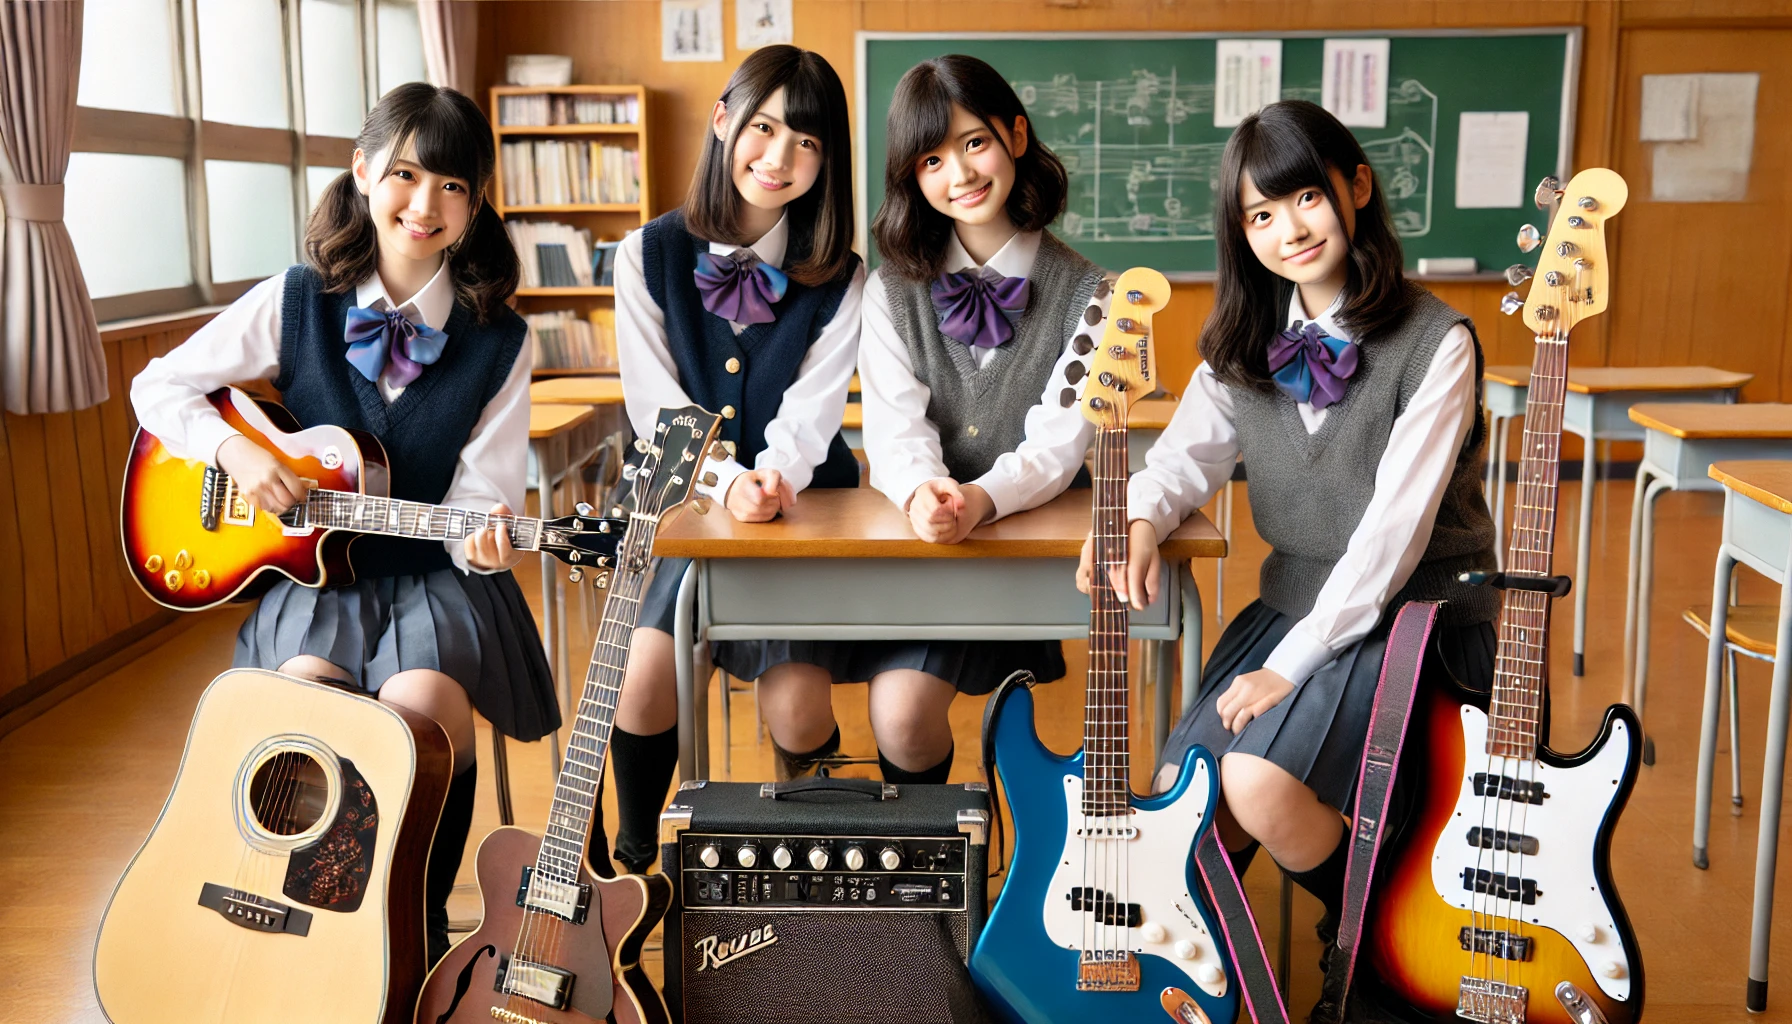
(81, 785)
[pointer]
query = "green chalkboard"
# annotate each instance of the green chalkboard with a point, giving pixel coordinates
(1131, 115)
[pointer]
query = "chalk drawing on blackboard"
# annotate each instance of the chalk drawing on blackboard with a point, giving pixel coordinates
(1132, 181)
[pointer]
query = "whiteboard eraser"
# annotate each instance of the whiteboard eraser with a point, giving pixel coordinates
(1448, 265)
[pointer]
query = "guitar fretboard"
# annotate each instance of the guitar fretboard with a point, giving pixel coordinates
(363, 513)
(1107, 758)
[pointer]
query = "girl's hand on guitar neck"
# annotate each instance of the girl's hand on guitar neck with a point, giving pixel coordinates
(490, 550)
(268, 483)
(1138, 585)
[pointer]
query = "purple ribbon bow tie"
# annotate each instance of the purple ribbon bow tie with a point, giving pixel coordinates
(1310, 365)
(374, 336)
(740, 287)
(979, 309)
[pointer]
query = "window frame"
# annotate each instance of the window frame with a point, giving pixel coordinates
(191, 139)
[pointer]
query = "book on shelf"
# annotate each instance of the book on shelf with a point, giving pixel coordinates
(542, 110)
(603, 263)
(563, 340)
(559, 172)
(552, 254)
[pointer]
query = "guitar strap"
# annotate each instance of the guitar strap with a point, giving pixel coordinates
(1262, 996)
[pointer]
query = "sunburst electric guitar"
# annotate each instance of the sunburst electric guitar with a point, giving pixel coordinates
(193, 540)
(1499, 905)
(1100, 918)
(558, 945)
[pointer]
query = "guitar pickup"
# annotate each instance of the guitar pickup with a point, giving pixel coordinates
(256, 913)
(1500, 886)
(209, 499)
(1495, 839)
(1105, 908)
(1503, 945)
(1505, 787)
(565, 900)
(549, 986)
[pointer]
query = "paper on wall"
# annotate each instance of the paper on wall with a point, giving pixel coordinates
(1711, 162)
(1247, 77)
(1490, 150)
(762, 23)
(1355, 82)
(690, 30)
(1670, 108)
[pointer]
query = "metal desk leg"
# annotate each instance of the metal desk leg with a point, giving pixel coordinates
(552, 640)
(1583, 557)
(1162, 719)
(1498, 464)
(690, 740)
(1645, 588)
(1773, 778)
(1191, 636)
(1714, 669)
(1219, 565)
(501, 776)
(1630, 578)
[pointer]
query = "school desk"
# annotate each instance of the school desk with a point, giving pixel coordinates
(1757, 533)
(1680, 442)
(1503, 393)
(845, 565)
(1596, 408)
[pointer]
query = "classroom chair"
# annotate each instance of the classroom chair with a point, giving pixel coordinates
(1750, 630)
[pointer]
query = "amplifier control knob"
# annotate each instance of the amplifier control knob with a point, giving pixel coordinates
(818, 858)
(854, 857)
(781, 857)
(710, 856)
(890, 857)
(747, 856)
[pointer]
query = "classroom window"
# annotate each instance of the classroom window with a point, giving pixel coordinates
(127, 56)
(400, 45)
(242, 62)
(130, 227)
(316, 180)
(251, 219)
(328, 30)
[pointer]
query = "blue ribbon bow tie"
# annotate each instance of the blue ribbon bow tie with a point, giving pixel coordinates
(378, 336)
(1310, 365)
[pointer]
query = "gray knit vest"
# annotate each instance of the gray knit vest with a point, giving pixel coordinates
(1309, 492)
(977, 420)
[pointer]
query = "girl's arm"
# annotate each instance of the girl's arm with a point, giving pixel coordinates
(1396, 527)
(1191, 460)
(797, 439)
(494, 463)
(901, 443)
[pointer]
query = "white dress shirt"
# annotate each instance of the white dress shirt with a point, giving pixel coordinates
(243, 343)
(1196, 453)
(797, 438)
(903, 445)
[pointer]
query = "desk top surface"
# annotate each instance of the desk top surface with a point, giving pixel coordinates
(862, 523)
(578, 390)
(1768, 481)
(1693, 420)
(1152, 414)
(1593, 380)
(548, 420)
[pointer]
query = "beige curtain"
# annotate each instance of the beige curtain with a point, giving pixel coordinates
(450, 42)
(50, 350)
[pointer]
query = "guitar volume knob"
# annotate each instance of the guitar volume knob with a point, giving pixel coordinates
(1186, 949)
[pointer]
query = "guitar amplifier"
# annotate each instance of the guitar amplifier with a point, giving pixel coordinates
(831, 901)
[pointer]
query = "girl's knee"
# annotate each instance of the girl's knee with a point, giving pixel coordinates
(443, 700)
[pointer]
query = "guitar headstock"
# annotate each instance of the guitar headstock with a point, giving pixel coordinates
(674, 458)
(1122, 366)
(583, 539)
(1572, 279)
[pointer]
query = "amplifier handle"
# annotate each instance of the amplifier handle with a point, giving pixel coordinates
(823, 784)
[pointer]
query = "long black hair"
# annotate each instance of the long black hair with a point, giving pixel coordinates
(1285, 147)
(453, 138)
(911, 235)
(821, 219)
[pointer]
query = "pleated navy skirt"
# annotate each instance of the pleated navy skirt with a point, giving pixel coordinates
(1317, 733)
(474, 628)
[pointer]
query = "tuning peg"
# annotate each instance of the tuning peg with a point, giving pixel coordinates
(717, 452)
(1082, 344)
(641, 445)
(583, 508)
(576, 574)
(700, 506)
(1548, 191)
(630, 471)
(1518, 273)
(1067, 398)
(1075, 372)
(601, 581)
(1529, 238)
(708, 479)
(616, 513)
(1510, 303)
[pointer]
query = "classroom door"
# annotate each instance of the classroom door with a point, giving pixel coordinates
(1707, 282)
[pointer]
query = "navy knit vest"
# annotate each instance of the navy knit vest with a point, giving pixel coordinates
(422, 431)
(767, 355)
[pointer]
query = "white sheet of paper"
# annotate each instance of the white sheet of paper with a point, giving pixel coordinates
(1247, 77)
(1712, 164)
(690, 30)
(1354, 85)
(1490, 154)
(1670, 108)
(762, 23)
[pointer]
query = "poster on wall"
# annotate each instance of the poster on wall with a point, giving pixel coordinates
(762, 23)
(690, 30)
(1247, 77)
(1354, 86)
(1702, 131)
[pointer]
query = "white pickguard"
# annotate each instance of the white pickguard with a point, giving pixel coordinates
(1565, 824)
(1156, 857)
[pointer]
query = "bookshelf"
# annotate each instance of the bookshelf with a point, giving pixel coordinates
(605, 221)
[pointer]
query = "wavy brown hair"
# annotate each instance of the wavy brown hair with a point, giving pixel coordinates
(453, 138)
(1286, 147)
(821, 219)
(910, 234)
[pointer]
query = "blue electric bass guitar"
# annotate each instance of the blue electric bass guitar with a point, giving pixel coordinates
(1100, 917)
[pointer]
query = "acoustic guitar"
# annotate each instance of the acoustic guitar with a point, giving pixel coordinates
(1498, 905)
(558, 945)
(283, 881)
(194, 540)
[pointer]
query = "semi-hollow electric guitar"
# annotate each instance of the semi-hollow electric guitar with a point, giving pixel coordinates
(1499, 905)
(1100, 918)
(283, 881)
(558, 945)
(193, 540)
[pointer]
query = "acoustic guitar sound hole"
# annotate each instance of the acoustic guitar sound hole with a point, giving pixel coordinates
(289, 793)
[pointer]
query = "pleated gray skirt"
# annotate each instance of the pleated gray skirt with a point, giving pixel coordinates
(474, 628)
(1317, 733)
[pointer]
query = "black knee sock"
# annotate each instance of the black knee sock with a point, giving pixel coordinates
(800, 763)
(445, 856)
(644, 766)
(933, 776)
(1241, 859)
(1326, 882)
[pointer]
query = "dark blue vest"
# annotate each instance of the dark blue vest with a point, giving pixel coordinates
(767, 356)
(422, 432)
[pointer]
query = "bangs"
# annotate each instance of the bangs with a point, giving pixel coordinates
(807, 106)
(926, 106)
(448, 138)
(1280, 163)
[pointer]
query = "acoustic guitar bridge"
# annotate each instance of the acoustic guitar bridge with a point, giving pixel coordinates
(256, 913)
